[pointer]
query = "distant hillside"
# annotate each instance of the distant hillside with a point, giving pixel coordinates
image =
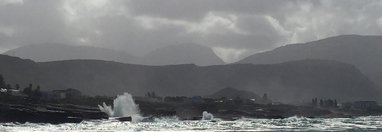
(365, 52)
(287, 82)
(56, 52)
(169, 55)
(233, 93)
(183, 54)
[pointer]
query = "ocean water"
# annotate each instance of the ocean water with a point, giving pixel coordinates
(367, 123)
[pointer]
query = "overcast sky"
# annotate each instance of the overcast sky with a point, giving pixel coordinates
(233, 28)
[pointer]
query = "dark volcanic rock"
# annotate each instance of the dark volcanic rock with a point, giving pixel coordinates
(46, 114)
(124, 119)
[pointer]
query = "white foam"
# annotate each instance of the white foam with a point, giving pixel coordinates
(207, 116)
(123, 106)
(370, 123)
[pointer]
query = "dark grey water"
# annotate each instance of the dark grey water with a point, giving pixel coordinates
(369, 123)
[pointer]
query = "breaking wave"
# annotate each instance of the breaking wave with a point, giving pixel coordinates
(367, 123)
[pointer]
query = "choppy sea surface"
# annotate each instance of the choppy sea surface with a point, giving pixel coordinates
(367, 123)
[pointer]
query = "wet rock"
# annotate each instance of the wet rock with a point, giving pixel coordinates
(123, 119)
(38, 113)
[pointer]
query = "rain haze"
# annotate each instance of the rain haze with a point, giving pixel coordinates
(232, 29)
(190, 65)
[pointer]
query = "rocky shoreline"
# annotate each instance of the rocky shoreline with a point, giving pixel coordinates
(69, 113)
(48, 113)
(193, 111)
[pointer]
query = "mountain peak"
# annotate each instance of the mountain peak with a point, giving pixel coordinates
(188, 53)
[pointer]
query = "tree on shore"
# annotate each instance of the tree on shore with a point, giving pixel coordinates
(8, 86)
(28, 90)
(335, 103)
(37, 93)
(314, 102)
(265, 97)
(2, 82)
(331, 103)
(17, 86)
(151, 95)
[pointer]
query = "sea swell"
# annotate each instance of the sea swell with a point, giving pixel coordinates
(367, 123)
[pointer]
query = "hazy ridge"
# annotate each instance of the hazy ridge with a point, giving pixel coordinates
(291, 81)
(364, 52)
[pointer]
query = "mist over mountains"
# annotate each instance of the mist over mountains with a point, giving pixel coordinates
(183, 54)
(287, 82)
(168, 55)
(346, 67)
(57, 52)
(364, 52)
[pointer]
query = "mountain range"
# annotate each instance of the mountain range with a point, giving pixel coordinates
(57, 52)
(346, 67)
(364, 52)
(169, 55)
(287, 82)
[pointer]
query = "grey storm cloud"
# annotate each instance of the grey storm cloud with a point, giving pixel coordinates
(233, 29)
